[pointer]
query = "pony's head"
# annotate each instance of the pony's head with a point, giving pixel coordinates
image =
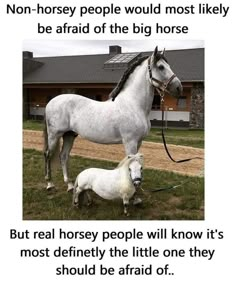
(133, 164)
(161, 76)
(135, 167)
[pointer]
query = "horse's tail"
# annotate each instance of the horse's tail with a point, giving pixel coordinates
(52, 154)
(45, 136)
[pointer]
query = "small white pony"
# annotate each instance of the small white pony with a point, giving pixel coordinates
(121, 182)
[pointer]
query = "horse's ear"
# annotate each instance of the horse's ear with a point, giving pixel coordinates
(163, 52)
(154, 55)
(155, 52)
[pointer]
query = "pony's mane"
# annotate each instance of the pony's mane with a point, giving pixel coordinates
(125, 76)
(121, 163)
(127, 160)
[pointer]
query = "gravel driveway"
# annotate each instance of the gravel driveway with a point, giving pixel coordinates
(155, 156)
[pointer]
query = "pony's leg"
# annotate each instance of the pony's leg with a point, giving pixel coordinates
(68, 139)
(78, 196)
(89, 198)
(48, 155)
(136, 200)
(126, 204)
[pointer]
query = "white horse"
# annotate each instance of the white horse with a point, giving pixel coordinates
(123, 118)
(121, 182)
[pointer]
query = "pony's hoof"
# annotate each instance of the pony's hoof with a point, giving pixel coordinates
(76, 204)
(137, 201)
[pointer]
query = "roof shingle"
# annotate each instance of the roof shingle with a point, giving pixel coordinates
(188, 64)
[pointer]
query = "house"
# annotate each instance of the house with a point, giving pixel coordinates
(95, 76)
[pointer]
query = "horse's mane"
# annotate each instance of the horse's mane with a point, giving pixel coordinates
(160, 56)
(114, 93)
(125, 76)
(128, 159)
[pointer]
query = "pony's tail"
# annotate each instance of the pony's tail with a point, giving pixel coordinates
(76, 183)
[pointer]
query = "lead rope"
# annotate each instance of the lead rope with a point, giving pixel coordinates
(170, 187)
(164, 140)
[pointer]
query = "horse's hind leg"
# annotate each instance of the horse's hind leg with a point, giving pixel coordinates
(68, 139)
(48, 176)
(49, 153)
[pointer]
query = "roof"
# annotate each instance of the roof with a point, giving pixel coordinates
(187, 64)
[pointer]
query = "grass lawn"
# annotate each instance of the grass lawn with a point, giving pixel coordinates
(184, 137)
(183, 203)
(33, 125)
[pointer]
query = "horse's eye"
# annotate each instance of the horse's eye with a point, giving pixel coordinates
(130, 169)
(141, 168)
(161, 67)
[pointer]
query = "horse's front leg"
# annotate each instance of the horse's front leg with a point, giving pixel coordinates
(68, 139)
(131, 148)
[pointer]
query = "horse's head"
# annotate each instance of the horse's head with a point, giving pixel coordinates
(161, 76)
(135, 167)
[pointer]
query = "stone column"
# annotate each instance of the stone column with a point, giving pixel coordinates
(197, 106)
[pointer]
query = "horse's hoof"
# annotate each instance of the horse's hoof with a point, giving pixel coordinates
(50, 186)
(137, 201)
(70, 189)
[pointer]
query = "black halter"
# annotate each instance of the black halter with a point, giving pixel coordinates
(162, 85)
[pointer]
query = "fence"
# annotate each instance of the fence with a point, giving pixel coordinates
(172, 118)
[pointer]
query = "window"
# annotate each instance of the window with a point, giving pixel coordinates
(182, 102)
(156, 102)
(120, 61)
(49, 97)
(98, 98)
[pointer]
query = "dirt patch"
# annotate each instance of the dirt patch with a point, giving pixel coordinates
(174, 200)
(155, 156)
